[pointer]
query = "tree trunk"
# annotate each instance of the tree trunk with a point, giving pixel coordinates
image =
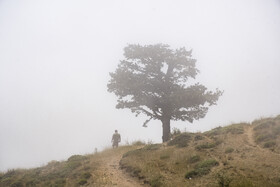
(165, 129)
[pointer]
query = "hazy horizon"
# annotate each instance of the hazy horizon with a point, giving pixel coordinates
(55, 59)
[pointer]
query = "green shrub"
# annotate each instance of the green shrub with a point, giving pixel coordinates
(269, 144)
(223, 180)
(76, 158)
(156, 181)
(86, 175)
(175, 132)
(180, 140)
(207, 145)
(17, 184)
(138, 143)
(73, 165)
(197, 172)
(229, 150)
(194, 159)
(214, 132)
(198, 137)
(152, 147)
(82, 181)
(263, 137)
(207, 163)
(202, 168)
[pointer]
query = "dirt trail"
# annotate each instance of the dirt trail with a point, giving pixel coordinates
(110, 173)
(117, 176)
(249, 132)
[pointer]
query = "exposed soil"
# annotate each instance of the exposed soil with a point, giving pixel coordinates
(113, 175)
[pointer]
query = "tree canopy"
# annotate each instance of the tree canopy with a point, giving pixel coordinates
(154, 80)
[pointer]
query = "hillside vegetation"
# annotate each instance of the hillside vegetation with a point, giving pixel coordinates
(239, 155)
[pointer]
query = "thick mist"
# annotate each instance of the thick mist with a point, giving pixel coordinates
(55, 59)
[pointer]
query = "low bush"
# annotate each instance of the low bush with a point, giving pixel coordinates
(198, 137)
(181, 140)
(202, 168)
(82, 182)
(194, 159)
(156, 181)
(207, 163)
(229, 150)
(152, 147)
(269, 144)
(263, 137)
(138, 143)
(223, 180)
(207, 145)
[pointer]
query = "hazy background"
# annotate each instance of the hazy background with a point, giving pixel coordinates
(55, 59)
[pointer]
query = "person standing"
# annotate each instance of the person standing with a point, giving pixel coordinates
(116, 139)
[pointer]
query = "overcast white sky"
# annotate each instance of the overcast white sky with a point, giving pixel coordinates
(56, 55)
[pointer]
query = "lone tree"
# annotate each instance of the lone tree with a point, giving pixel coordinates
(153, 80)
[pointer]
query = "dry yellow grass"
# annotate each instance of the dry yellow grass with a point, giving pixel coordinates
(239, 155)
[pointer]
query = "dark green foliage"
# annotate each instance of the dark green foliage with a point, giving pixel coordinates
(76, 158)
(86, 175)
(202, 168)
(152, 80)
(194, 159)
(264, 137)
(223, 180)
(138, 143)
(207, 145)
(269, 144)
(17, 184)
(207, 163)
(152, 147)
(229, 150)
(181, 140)
(198, 137)
(156, 181)
(82, 182)
(175, 132)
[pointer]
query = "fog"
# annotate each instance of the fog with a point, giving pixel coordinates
(55, 59)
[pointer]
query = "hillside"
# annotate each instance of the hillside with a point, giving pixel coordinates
(237, 155)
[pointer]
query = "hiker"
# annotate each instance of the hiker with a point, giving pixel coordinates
(116, 138)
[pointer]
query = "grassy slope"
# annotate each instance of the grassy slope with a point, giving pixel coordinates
(78, 170)
(238, 155)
